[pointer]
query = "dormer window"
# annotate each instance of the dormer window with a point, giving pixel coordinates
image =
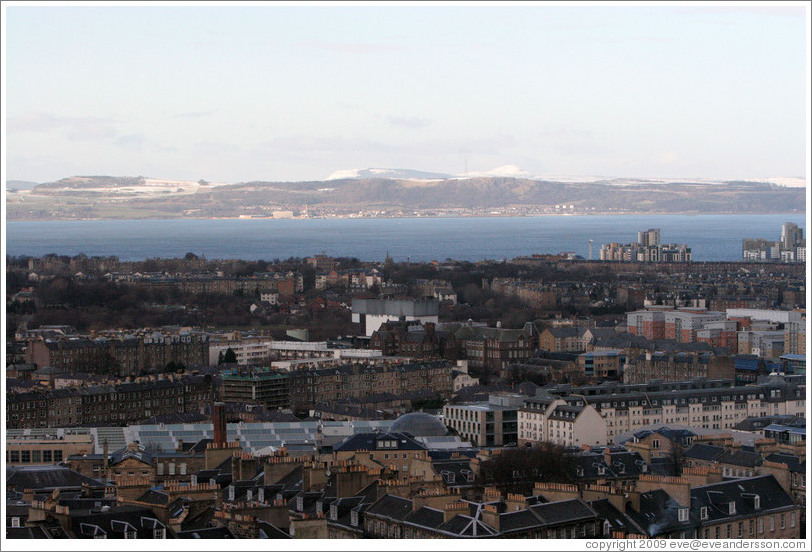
(703, 512)
(579, 471)
(731, 508)
(333, 512)
(601, 470)
(354, 518)
(130, 534)
(231, 492)
(683, 514)
(159, 533)
(249, 495)
(15, 522)
(756, 502)
(607, 527)
(299, 503)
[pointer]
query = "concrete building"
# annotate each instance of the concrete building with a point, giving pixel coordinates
(486, 424)
(371, 313)
(255, 385)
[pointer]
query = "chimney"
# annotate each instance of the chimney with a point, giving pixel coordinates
(219, 423)
(490, 517)
(515, 502)
(105, 458)
(451, 509)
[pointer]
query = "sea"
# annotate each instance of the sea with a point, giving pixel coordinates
(710, 237)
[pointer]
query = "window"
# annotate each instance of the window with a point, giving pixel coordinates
(46, 456)
(772, 523)
(683, 514)
(130, 535)
(731, 508)
(703, 512)
(760, 525)
(57, 456)
(25, 456)
(756, 502)
(792, 519)
(15, 455)
(655, 443)
(159, 533)
(15, 522)
(783, 521)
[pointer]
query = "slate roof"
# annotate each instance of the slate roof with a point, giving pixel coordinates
(426, 517)
(794, 463)
(391, 506)
(124, 454)
(700, 451)
(716, 498)
(46, 477)
(206, 533)
(368, 441)
(39, 532)
(740, 458)
(563, 511)
(465, 526)
(153, 496)
(618, 521)
(115, 522)
(270, 531)
(455, 472)
(659, 515)
(515, 521)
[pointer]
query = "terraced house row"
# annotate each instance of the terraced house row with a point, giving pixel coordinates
(624, 408)
(104, 403)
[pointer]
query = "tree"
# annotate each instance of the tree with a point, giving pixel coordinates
(230, 357)
(517, 469)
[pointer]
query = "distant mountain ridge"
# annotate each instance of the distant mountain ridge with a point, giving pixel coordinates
(142, 197)
(397, 174)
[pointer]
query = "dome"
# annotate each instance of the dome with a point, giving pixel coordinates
(419, 424)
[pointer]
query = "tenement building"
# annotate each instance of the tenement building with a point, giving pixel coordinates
(120, 403)
(309, 387)
(701, 403)
(125, 356)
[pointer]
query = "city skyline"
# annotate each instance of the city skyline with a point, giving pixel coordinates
(270, 92)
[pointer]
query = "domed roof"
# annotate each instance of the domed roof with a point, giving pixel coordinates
(419, 424)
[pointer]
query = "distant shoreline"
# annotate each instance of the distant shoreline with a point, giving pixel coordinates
(471, 215)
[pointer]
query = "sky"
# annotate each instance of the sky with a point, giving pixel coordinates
(296, 92)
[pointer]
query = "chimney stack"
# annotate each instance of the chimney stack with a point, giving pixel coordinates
(219, 416)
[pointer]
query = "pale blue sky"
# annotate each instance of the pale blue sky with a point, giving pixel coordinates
(293, 93)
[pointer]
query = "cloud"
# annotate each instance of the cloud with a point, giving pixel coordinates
(408, 122)
(75, 128)
(352, 47)
(82, 129)
(130, 141)
(195, 114)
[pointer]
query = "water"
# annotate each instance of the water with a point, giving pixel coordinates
(711, 237)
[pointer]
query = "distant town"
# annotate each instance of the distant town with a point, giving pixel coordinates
(642, 395)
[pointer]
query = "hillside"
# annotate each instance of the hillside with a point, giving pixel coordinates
(140, 197)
